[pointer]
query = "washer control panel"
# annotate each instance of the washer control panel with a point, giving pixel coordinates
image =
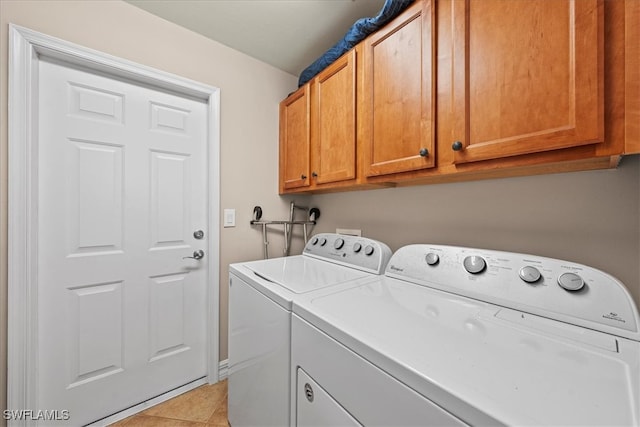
(557, 289)
(353, 251)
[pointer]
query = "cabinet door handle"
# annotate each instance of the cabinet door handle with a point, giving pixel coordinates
(303, 176)
(424, 152)
(457, 146)
(314, 175)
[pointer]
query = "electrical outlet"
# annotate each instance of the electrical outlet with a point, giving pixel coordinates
(349, 232)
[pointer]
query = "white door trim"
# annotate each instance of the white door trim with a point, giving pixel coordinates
(26, 47)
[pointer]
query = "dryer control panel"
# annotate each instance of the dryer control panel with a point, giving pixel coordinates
(552, 288)
(352, 251)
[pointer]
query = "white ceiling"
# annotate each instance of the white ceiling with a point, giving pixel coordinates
(288, 34)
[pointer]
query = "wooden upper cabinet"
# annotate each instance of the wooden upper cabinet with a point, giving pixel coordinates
(632, 76)
(294, 140)
(397, 110)
(333, 135)
(528, 76)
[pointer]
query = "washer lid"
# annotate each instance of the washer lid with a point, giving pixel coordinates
(301, 274)
(514, 368)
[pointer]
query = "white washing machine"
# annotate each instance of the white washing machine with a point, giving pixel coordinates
(260, 300)
(460, 336)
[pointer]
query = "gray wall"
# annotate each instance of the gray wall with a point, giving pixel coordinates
(589, 217)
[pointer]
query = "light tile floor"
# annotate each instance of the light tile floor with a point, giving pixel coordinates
(205, 406)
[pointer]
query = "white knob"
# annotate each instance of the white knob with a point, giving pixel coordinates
(368, 250)
(339, 243)
(529, 274)
(474, 264)
(570, 281)
(432, 259)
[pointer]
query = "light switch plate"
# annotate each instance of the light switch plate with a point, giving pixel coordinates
(229, 218)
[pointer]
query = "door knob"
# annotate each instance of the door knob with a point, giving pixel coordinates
(198, 234)
(199, 254)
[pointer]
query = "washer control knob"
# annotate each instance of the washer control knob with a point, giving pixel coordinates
(432, 259)
(368, 250)
(529, 274)
(357, 247)
(314, 241)
(474, 264)
(323, 241)
(339, 243)
(570, 282)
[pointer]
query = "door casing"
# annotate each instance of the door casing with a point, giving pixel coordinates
(25, 48)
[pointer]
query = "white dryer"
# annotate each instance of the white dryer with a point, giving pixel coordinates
(460, 336)
(260, 299)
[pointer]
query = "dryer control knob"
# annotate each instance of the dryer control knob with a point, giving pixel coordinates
(570, 282)
(432, 259)
(529, 274)
(368, 250)
(357, 247)
(339, 243)
(323, 241)
(314, 241)
(474, 264)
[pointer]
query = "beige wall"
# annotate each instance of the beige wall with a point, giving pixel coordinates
(250, 93)
(591, 218)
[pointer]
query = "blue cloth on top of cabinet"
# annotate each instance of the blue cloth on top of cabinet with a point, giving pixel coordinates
(358, 32)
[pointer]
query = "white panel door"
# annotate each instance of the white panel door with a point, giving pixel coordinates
(123, 186)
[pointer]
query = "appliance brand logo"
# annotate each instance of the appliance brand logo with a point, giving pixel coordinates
(614, 316)
(394, 268)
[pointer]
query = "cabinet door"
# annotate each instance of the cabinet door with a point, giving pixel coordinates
(398, 102)
(528, 76)
(632, 77)
(333, 109)
(294, 140)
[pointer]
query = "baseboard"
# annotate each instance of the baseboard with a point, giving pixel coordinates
(223, 369)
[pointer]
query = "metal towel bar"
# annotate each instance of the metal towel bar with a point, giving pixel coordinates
(314, 214)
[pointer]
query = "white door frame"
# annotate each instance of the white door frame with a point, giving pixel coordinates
(26, 47)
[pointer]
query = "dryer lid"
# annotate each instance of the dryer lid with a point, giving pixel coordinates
(301, 274)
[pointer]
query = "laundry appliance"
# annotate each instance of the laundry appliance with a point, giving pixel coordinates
(260, 299)
(461, 336)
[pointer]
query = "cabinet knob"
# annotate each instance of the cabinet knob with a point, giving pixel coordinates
(457, 146)
(424, 152)
(303, 176)
(314, 175)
